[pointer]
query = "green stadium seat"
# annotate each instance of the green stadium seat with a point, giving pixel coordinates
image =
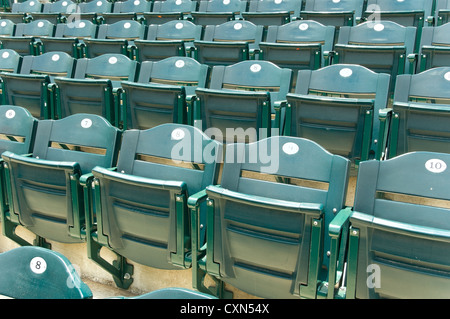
(140, 207)
(434, 48)
(55, 12)
(272, 12)
(161, 93)
(93, 10)
(419, 118)
(113, 38)
(44, 191)
(267, 220)
(383, 47)
(31, 87)
(7, 27)
(26, 34)
(337, 107)
(228, 43)
(20, 11)
(240, 102)
(297, 45)
(442, 12)
(334, 13)
(397, 231)
(67, 38)
(38, 273)
(172, 38)
(95, 87)
(214, 12)
(167, 10)
(127, 10)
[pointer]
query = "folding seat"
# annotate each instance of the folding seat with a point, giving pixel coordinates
(383, 47)
(419, 118)
(338, 107)
(20, 11)
(92, 10)
(398, 230)
(31, 87)
(55, 12)
(44, 190)
(434, 48)
(272, 12)
(240, 102)
(167, 10)
(67, 38)
(127, 10)
(95, 86)
(17, 129)
(173, 38)
(10, 61)
(162, 92)
(113, 38)
(140, 207)
(297, 45)
(442, 12)
(39, 273)
(335, 13)
(7, 27)
(25, 36)
(228, 43)
(216, 12)
(267, 220)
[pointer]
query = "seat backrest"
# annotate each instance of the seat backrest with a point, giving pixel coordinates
(293, 6)
(181, 71)
(334, 6)
(236, 6)
(60, 6)
(7, 27)
(27, 6)
(136, 6)
(33, 272)
(96, 6)
(183, 6)
(87, 139)
(10, 61)
(239, 30)
(400, 218)
(301, 31)
(336, 13)
(124, 29)
(50, 63)
(116, 67)
(433, 50)
(35, 28)
(79, 29)
(397, 10)
(17, 127)
(174, 30)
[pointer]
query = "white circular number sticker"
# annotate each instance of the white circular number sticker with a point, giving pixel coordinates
(447, 76)
(38, 265)
(290, 148)
(10, 114)
(378, 27)
(303, 26)
(55, 57)
(345, 72)
(237, 26)
(436, 166)
(126, 25)
(177, 134)
(179, 26)
(86, 123)
(5, 55)
(3, 24)
(255, 68)
(112, 60)
(179, 63)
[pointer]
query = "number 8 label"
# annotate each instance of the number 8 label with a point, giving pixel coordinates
(38, 265)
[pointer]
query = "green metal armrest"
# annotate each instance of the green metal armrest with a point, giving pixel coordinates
(43, 163)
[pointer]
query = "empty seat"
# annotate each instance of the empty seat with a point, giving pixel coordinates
(267, 220)
(240, 102)
(95, 86)
(335, 13)
(26, 34)
(141, 206)
(10, 61)
(419, 119)
(381, 47)
(55, 12)
(228, 43)
(30, 87)
(39, 273)
(212, 12)
(172, 38)
(7, 27)
(398, 230)
(272, 12)
(44, 190)
(160, 95)
(338, 107)
(113, 38)
(127, 10)
(167, 10)
(20, 11)
(297, 45)
(67, 38)
(93, 10)
(434, 48)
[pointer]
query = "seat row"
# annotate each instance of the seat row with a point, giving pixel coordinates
(273, 224)
(248, 100)
(266, 12)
